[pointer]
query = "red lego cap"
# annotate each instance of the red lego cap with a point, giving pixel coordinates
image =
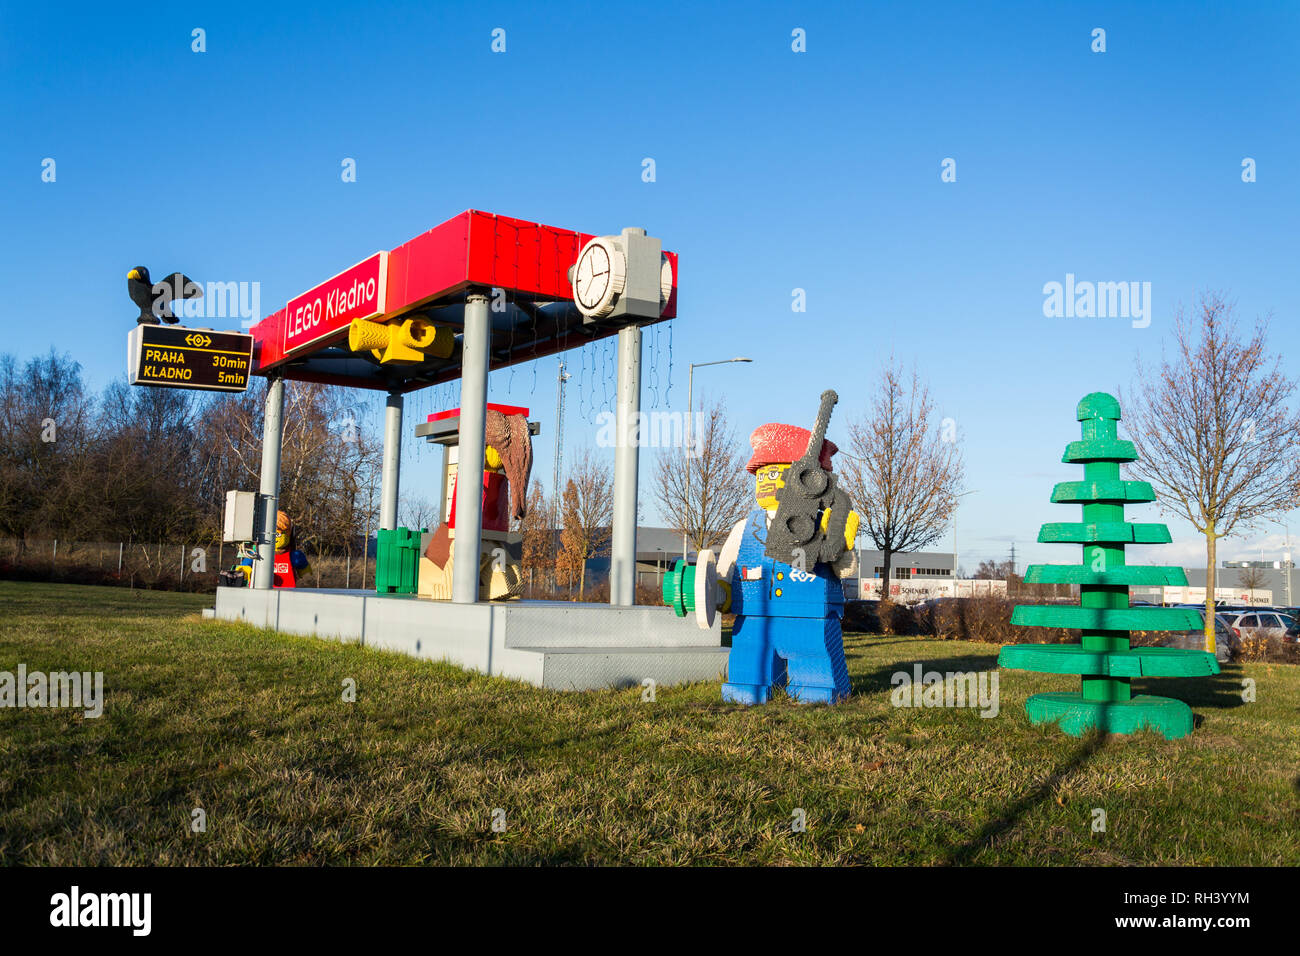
(780, 444)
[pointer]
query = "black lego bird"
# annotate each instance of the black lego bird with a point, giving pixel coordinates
(155, 300)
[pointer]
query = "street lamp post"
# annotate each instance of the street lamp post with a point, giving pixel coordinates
(857, 559)
(973, 491)
(690, 414)
(1286, 560)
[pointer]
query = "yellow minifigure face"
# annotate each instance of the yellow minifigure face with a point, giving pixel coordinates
(492, 459)
(767, 481)
(282, 528)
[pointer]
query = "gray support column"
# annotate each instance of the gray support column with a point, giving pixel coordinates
(272, 435)
(622, 569)
(392, 462)
(472, 446)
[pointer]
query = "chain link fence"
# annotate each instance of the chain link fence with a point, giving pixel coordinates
(169, 566)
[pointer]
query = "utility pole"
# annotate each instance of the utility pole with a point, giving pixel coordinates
(1013, 557)
(956, 498)
(561, 377)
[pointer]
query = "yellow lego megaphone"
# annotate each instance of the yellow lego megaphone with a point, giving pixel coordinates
(410, 340)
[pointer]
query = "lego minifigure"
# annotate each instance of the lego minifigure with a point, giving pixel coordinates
(787, 625)
(289, 562)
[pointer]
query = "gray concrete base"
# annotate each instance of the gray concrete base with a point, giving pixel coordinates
(558, 644)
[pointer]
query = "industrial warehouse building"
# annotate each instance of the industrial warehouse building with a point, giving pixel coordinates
(915, 577)
(1232, 583)
(922, 571)
(922, 575)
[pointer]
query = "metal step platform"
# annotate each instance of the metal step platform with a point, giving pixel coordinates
(562, 645)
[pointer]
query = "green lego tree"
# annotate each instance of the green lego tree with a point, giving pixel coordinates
(1105, 659)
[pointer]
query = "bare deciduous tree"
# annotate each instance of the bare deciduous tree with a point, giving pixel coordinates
(418, 512)
(904, 468)
(45, 431)
(720, 492)
(1213, 431)
(539, 537)
(990, 570)
(329, 462)
(148, 465)
(1252, 578)
(587, 513)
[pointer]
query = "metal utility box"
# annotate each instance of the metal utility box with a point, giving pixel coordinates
(240, 516)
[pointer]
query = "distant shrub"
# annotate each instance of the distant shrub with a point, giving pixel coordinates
(983, 619)
(1262, 649)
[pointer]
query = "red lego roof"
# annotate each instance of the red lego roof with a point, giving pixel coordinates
(503, 409)
(430, 275)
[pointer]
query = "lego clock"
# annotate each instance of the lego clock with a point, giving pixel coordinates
(625, 278)
(599, 277)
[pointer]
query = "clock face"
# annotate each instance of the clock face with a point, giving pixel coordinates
(592, 278)
(598, 278)
(665, 283)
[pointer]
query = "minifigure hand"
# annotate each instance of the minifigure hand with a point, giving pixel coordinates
(850, 527)
(846, 565)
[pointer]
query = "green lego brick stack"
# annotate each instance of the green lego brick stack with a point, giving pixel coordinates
(1104, 659)
(397, 561)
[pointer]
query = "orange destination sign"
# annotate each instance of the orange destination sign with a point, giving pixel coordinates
(178, 357)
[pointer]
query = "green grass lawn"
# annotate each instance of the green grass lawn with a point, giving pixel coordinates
(251, 727)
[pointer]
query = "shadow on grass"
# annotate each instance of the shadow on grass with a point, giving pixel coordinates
(872, 641)
(1008, 818)
(880, 679)
(1220, 691)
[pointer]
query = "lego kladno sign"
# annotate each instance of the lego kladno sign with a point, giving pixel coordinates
(178, 357)
(355, 293)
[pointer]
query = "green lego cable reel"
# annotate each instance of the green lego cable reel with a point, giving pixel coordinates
(679, 588)
(694, 589)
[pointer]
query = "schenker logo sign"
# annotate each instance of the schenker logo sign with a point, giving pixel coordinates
(356, 293)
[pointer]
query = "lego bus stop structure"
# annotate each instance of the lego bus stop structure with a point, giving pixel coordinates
(477, 293)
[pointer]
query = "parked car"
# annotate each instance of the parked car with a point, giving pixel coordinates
(1226, 641)
(1234, 609)
(1260, 623)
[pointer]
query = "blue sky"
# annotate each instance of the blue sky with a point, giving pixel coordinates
(775, 170)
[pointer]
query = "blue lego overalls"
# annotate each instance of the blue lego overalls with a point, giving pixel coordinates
(787, 629)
